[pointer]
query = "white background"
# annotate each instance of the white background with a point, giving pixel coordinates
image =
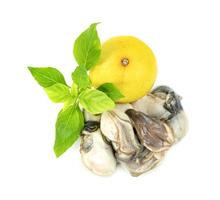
(185, 37)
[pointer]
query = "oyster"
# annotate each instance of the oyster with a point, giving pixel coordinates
(179, 125)
(143, 162)
(171, 100)
(152, 106)
(164, 104)
(136, 135)
(97, 155)
(90, 117)
(117, 128)
(154, 134)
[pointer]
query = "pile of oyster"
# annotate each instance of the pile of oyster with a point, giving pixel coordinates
(135, 135)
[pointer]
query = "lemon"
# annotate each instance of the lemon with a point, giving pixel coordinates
(129, 64)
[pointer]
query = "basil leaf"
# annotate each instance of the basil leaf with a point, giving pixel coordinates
(80, 77)
(87, 47)
(58, 92)
(68, 127)
(95, 101)
(47, 76)
(69, 102)
(74, 90)
(111, 90)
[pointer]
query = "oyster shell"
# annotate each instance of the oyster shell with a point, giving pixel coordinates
(164, 104)
(154, 134)
(97, 155)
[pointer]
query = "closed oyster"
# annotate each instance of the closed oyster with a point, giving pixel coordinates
(97, 155)
(164, 104)
(154, 134)
(117, 128)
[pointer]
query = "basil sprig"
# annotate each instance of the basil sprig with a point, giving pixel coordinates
(70, 120)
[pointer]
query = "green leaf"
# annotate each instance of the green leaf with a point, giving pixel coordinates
(47, 76)
(69, 102)
(58, 92)
(68, 127)
(74, 90)
(80, 77)
(87, 47)
(95, 101)
(111, 90)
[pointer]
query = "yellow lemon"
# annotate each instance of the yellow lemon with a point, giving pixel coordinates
(129, 64)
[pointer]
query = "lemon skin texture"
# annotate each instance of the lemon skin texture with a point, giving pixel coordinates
(129, 64)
